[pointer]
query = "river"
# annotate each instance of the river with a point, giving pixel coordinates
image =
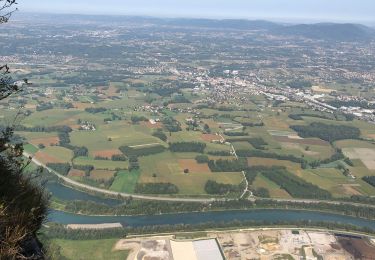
(66, 193)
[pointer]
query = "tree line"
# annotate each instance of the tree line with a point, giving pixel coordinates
(370, 180)
(222, 165)
(295, 186)
(187, 147)
(142, 151)
(59, 231)
(156, 188)
(95, 110)
(213, 187)
(329, 133)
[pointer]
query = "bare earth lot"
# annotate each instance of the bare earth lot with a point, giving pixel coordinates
(193, 166)
(366, 155)
(106, 153)
(249, 244)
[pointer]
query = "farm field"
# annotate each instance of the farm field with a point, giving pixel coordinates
(170, 168)
(100, 164)
(275, 190)
(125, 181)
(119, 136)
(89, 249)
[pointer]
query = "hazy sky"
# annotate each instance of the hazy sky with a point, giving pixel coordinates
(324, 10)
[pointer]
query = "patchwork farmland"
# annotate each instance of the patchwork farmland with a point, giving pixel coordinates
(125, 144)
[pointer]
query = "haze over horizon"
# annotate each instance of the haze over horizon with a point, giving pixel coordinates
(276, 10)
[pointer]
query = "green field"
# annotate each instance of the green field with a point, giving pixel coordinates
(125, 181)
(30, 149)
(114, 128)
(167, 169)
(59, 152)
(89, 249)
(50, 117)
(119, 133)
(101, 164)
(274, 189)
(330, 179)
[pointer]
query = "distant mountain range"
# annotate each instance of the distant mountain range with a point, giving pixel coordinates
(328, 31)
(320, 31)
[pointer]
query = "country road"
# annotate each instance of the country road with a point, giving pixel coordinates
(201, 200)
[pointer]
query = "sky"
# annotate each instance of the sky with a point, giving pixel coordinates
(301, 10)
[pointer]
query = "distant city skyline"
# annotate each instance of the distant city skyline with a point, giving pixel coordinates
(287, 10)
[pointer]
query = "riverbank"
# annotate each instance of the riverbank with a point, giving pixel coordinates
(60, 208)
(119, 195)
(258, 217)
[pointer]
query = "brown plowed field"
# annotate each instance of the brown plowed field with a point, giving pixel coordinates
(210, 137)
(46, 158)
(76, 173)
(193, 166)
(81, 106)
(358, 248)
(48, 141)
(101, 174)
(106, 153)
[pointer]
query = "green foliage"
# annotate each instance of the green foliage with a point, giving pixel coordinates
(201, 158)
(251, 173)
(228, 165)
(370, 180)
(258, 153)
(329, 133)
(142, 151)
(187, 147)
(171, 124)
(95, 110)
(62, 168)
(135, 119)
(23, 202)
(351, 103)
(257, 143)
(64, 138)
(118, 157)
(348, 162)
(47, 129)
(236, 133)
(262, 193)
(133, 163)
(294, 185)
(80, 151)
(179, 99)
(160, 134)
(299, 84)
(213, 187)
(156, 188)
(338, 155)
